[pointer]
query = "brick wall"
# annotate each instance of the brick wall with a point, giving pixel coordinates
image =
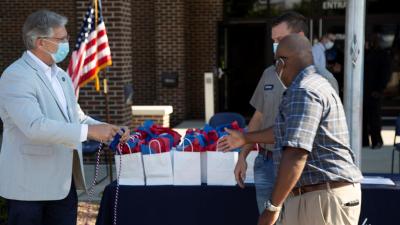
(143, 51)
(162, 120)
(118, 19)
(12, 17)
(203, 17)
(147, 38)
(170, 54)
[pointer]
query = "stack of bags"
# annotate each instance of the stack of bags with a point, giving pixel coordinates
(145, 157)
(155, 155)
(217, 168)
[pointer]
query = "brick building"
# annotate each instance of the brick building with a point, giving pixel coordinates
(148, 39)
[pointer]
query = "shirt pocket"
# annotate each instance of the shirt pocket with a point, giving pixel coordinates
(269, 102)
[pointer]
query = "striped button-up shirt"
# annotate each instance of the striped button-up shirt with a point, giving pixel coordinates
(311, 117)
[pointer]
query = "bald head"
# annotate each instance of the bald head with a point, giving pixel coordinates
(293, 54)
(297, 47)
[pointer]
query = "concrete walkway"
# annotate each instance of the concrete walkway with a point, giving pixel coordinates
(379, 160)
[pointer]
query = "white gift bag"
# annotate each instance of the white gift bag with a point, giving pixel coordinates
(158, 167)
(251, 158)
(129, 168)
(203, 159)
(187, 166)
(220, 167)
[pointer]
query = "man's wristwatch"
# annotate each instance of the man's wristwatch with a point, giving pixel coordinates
(268, 206)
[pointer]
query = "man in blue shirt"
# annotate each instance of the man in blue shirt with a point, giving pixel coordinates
(318, 50)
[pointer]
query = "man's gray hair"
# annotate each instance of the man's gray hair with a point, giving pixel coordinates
(41, 24)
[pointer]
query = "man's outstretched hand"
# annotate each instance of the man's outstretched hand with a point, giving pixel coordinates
(106, 132)
(234, 139)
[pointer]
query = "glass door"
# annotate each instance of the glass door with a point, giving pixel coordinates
(242, 58)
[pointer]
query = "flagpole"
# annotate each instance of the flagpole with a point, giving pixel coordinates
(105, 86)
(108, 119)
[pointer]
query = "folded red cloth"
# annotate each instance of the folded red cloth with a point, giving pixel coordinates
(157, 130)
(160, 144)
(131, 146)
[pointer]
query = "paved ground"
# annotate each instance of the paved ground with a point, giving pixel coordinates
(87, 213)
(379, 161)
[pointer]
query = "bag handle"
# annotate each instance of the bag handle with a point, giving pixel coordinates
(137, 136)
(157, 141)
(190, 142)
(120, 149)
(135, 139)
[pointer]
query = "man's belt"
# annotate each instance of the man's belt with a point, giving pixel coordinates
(265, 152)
(317, 187)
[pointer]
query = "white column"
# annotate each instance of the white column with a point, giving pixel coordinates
(209, 95)
(354, 72)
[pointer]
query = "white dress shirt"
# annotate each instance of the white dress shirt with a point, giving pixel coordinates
(318, 51)
(51, 72)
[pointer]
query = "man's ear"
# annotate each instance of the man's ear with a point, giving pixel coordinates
(302, 33)
(39, 42)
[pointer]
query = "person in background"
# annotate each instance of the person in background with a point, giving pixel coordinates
(41, 158)
(377, 72)
(334, 63)
(266, 100)
(318, 50)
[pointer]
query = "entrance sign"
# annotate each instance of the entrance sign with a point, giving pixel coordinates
(334, 4)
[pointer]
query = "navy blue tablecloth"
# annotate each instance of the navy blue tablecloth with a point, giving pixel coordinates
(216, 205)
(381, 204)
(186, 205)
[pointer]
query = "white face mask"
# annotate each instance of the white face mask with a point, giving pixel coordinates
(61, 53)
(275, 47)
(280, 78)
(328, 45)
(280, 72)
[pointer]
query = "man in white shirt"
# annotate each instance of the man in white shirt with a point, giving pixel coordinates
(318, 50)
(41, 156)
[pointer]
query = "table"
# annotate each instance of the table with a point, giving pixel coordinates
(186, 205)
(380, 204)
(216, 205)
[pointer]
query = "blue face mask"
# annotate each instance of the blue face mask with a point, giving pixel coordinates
(61, 53)
(275, 47)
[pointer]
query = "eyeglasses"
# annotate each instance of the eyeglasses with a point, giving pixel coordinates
(281, 59)
(65, 39)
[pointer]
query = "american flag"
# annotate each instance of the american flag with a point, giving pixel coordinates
(92, 52)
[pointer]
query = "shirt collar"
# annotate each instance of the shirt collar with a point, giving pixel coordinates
(306, 71)
(321, 46)
(43, 66)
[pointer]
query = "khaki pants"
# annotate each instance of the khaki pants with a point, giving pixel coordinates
(336, 206)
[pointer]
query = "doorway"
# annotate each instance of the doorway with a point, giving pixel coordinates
(388, 28)
(242, 55)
